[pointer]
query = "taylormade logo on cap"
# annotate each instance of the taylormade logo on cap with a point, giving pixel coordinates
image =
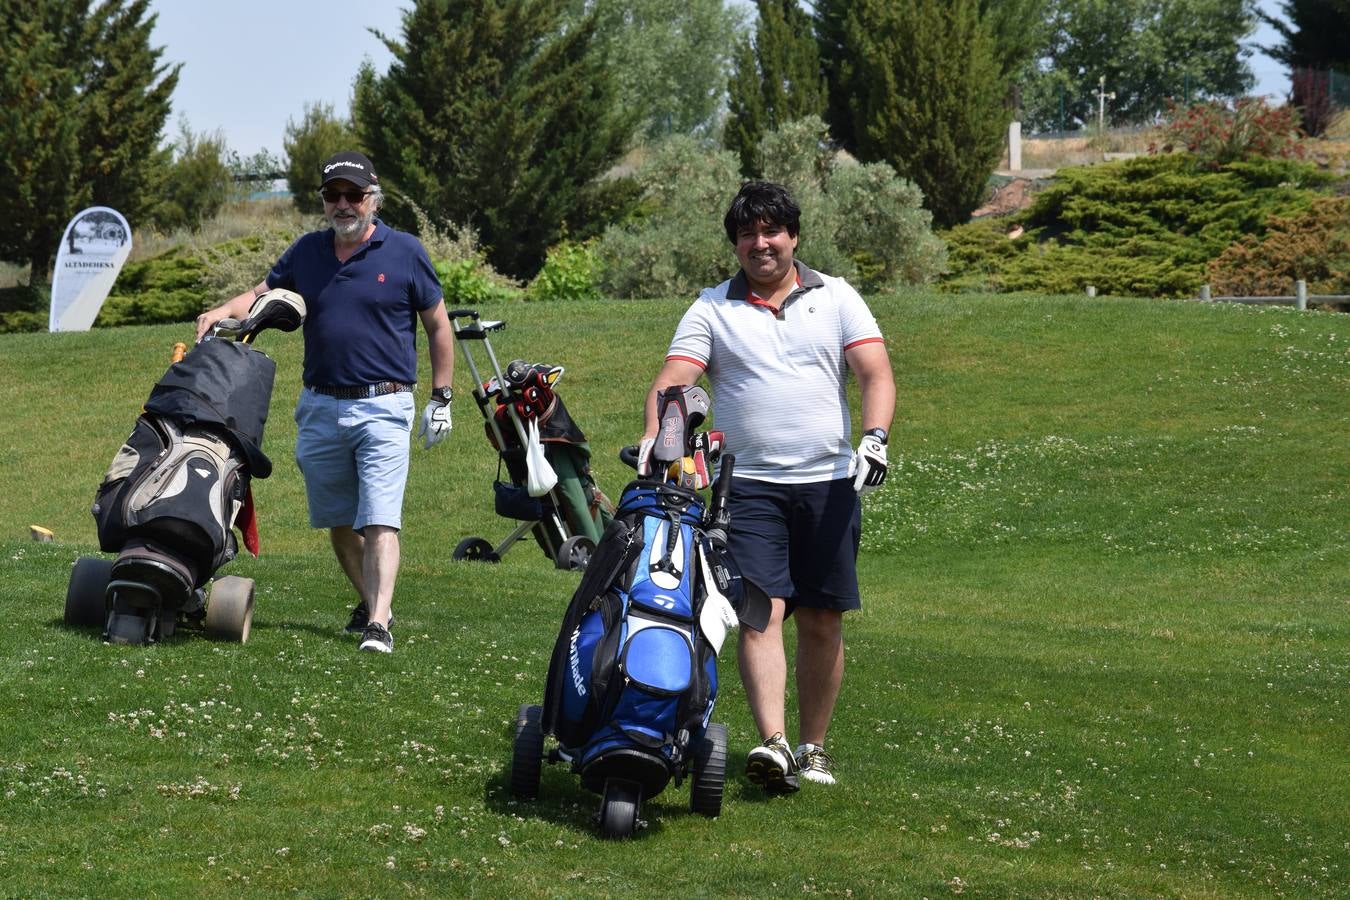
(344, 162)
(351, 166)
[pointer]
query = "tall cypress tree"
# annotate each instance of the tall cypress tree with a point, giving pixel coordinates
(83, 102)
(492, 116)
(41, 136)
(127, 99)
(1317, 35)
(838, 68)
(776, 80)
(931, 98)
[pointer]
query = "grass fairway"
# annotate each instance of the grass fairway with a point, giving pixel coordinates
(1103, 651)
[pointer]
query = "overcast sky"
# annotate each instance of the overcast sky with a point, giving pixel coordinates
(250, 66)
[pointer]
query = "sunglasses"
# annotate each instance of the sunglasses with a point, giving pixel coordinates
(355, 198)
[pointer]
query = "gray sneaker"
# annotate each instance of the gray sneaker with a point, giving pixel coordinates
(815, 764)
(772, 765)
(377, 638)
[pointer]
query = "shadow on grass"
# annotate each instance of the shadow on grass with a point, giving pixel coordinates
(562, 800)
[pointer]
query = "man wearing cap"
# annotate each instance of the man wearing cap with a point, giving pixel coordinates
(365, 286)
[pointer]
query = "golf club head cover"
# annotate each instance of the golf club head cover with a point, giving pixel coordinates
(868, 466)
(531, 387)
(679, 410)
(278, 309)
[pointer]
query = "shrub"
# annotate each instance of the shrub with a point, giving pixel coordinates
(673, 244)
(1142, 227)
(1219, 135)
(467, 278)
(863, 223)
(465, 283)
(234, 266)
(167, 288)
(1313, 246)
(571, 272)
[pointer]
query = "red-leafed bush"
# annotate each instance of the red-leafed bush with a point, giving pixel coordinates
(1220, 135)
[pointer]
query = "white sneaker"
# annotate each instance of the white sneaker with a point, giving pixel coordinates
(815, 764)
(772, 765)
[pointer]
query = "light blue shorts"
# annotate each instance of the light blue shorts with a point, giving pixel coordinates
(354, 456)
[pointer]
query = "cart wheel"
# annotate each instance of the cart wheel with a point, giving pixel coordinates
(475, 549)
(86, 602)
(575, 553)
(710, 771)
(619, 808)
(528, 753)
(129, 628)
(229, 608)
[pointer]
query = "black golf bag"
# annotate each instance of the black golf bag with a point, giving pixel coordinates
(173, 495)
(633, 677)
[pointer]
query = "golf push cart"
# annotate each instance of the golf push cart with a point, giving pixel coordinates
(548, 489)
(633, 675)
(178, 486)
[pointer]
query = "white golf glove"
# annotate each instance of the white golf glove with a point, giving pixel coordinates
(868, 466)
(435, 422)
(644, 456)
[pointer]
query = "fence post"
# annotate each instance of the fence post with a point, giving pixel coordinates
(1204, 292)
(1300, 294)
(1015, 146)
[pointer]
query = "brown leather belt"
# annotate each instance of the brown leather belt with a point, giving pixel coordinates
(361, 391)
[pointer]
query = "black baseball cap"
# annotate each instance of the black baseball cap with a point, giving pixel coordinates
(349, 166)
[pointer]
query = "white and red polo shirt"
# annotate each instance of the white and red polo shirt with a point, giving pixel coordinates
(778, 377)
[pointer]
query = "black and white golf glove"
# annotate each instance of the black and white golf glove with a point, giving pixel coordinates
(435, 423)
(868, 466)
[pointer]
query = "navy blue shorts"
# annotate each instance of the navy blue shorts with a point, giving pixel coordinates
(798, 541)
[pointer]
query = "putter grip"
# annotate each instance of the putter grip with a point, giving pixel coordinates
(717, 509)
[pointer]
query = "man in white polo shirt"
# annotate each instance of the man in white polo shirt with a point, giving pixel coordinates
(776, 343)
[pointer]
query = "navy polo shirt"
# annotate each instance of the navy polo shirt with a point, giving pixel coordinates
(361, 315)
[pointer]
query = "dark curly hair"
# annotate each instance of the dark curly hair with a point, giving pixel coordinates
(762, 201)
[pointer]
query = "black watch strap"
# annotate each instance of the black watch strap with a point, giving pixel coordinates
(444, 394)
(878, 433)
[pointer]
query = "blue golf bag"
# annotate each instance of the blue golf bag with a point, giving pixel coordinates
(633, 677)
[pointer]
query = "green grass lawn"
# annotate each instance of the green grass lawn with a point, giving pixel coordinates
(1103, 651)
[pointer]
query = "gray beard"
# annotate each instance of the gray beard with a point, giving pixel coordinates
(351, 229)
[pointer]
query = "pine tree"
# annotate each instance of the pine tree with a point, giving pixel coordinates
(931, 98)
(83, 103)
(1317, 35)
(494, 117)
(41, 137)
(127, 99)
(836, 65)
(776, 80)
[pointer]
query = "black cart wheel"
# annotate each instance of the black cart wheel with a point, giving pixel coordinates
(475, 549)
(619, 808)
(229, 608)
(710, 771)
(575, 553)
(528, 753)
(86, 602)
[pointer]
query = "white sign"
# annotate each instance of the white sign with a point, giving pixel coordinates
(96, 243)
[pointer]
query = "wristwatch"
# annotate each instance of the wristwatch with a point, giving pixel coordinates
(878, 433)
(444, 394)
